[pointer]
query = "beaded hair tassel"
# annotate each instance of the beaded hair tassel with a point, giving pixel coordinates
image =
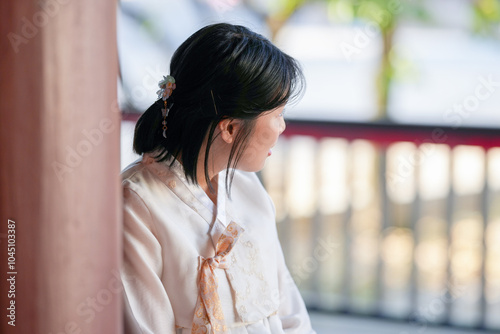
(167, 86)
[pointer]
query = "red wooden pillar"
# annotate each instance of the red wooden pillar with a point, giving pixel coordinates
(59, 174)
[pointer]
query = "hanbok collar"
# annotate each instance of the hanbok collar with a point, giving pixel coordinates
(194, 196)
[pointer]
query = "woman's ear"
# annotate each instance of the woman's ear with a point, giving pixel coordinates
(228, 129)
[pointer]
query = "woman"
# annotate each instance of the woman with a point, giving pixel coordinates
(201, 252)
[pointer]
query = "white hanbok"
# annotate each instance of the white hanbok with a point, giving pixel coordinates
(171, 227)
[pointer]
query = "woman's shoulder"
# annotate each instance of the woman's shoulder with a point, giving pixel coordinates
(142, 173)
(133, 172)
(131, 169)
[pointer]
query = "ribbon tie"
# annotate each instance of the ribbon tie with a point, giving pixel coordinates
(208, 310)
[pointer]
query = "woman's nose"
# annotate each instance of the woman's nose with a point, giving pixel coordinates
(282, 125)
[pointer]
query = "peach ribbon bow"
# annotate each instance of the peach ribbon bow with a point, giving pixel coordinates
(208, 310)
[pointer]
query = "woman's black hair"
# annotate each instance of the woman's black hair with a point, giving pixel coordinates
(222, 71)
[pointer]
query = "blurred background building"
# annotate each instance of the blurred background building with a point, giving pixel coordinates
(387, 179)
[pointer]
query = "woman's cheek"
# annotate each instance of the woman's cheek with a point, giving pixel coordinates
(266, 136)
(252, 160)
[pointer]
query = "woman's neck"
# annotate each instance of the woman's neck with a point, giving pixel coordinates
(214, 167)
(217, 162)
(212, 194)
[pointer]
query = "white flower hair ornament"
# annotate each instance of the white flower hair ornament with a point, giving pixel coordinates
(167, 86)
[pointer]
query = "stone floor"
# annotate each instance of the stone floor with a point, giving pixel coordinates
(340, 324)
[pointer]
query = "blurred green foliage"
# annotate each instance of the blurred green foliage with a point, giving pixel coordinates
(385, 15)
(487, 17)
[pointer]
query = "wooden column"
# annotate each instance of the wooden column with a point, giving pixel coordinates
(59, 175)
